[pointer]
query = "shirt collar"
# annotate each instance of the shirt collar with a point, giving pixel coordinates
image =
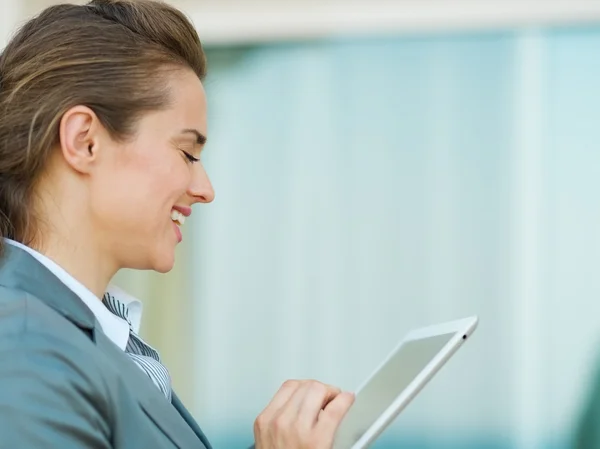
(133, 305)
(115, 328)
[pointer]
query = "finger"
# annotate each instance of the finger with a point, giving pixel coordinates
(331, 416)
(290, 412)
(263, 431)
(282, 396)
(281, 427)
(295, 420)
(316, 399)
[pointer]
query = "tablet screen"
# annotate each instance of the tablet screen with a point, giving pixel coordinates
(387, 384)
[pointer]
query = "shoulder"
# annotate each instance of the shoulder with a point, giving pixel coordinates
(52, 392)
(34, 335)
(22, 314)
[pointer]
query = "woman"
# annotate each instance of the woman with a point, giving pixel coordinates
(102, 122)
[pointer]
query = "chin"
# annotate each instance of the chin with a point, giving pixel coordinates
(164, 265)
(160, 258)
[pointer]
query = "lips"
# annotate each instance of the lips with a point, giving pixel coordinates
(184, 210)
(177, 232)
(179, 213)
(178, 216)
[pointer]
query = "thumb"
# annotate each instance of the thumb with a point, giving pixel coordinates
(331, 416)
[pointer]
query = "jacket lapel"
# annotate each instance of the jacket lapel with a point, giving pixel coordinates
(189, 420)
(152, 401)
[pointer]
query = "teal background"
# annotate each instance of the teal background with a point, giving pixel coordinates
(367, 186)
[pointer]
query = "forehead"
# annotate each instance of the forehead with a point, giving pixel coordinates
(187, 105)
(188, 96)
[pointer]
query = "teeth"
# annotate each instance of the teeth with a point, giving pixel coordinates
(177, 217)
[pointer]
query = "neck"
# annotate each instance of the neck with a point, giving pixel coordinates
(81, 261)
(74, 245)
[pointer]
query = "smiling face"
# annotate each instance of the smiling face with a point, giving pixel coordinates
(141, 190)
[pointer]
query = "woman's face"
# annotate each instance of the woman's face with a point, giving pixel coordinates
(143, 189)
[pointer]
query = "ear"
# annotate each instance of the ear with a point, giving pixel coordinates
(79, 138)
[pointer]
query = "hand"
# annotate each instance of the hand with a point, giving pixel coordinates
(302, 415)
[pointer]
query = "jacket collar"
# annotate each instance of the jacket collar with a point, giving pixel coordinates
(21, 271)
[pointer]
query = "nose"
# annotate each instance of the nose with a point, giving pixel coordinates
(200, 188)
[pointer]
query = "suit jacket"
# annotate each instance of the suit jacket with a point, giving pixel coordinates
(64, 384)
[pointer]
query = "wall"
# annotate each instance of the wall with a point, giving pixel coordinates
(365, 187)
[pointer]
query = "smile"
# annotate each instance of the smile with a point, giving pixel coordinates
(177, 217)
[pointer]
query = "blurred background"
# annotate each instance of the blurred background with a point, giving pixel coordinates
(382, 165)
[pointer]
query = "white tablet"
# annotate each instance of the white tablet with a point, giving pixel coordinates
(398, 380)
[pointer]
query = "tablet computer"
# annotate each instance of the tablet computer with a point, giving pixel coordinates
(399, 379)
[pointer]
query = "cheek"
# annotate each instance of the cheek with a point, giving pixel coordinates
(136, 197)
(117, 201)
(169, 182)
(157, 188)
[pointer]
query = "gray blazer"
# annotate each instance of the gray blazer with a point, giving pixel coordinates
(64, 384)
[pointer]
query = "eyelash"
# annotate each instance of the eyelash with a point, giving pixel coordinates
(189, 157)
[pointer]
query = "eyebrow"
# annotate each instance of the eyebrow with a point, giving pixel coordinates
(200, 138)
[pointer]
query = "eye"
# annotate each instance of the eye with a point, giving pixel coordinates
(191, 159)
